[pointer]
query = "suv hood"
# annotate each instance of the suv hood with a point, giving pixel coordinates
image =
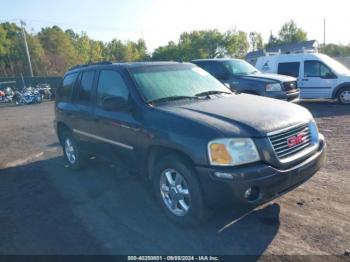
(267, 77)
(242, 115)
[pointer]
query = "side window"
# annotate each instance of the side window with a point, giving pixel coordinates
(216, 69)
(66, 90)
(289, 69)
(316, 69)
(86, 83)
(111, 84)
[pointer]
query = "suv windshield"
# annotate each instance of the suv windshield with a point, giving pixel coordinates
(172, 82)
(240, 67)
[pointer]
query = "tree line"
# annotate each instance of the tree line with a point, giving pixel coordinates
(53, 50)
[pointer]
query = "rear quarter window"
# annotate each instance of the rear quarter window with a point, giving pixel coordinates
(289, 69)
(66, 90)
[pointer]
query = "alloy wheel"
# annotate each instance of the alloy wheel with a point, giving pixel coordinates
(175, 192)
(345, 97)
(69, 149)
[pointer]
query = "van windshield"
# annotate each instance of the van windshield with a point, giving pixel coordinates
(336, 66)
(173, 82)
(240, 67)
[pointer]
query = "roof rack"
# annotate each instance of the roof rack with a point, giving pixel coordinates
(90, 64)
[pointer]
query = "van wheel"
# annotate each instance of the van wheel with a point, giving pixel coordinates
(178, 191)
(72, 152)
(344, 96)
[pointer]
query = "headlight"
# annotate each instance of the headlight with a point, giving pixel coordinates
(273, 87)
(232, 151)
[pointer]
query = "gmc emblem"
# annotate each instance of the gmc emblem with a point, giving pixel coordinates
(295, 140)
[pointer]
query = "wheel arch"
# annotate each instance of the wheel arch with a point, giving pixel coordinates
(157, 151)
(339, 88)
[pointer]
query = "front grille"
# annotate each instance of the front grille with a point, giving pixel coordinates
(292, 85)
(280, 144)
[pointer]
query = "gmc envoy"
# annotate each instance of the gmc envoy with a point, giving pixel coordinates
(200, 144)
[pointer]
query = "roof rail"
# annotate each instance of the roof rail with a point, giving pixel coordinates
(90, 64)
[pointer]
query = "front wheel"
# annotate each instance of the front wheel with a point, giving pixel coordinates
(178, 191)
(344, 96)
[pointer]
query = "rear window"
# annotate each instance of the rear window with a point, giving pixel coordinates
(289, 69)
(66, 91)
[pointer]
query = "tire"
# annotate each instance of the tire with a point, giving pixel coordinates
(72, 153)
(175, 165)
(344, 96)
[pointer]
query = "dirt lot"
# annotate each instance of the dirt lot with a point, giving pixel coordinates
(49, 209)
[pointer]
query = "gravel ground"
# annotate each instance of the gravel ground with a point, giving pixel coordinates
(49, 209)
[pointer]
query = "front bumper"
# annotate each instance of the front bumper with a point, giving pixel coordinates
(270, 181)
(290, 96)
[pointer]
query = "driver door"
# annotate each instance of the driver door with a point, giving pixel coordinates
(317, 80)
(115, 131)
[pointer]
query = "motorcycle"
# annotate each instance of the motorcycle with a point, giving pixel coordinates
(28, 95)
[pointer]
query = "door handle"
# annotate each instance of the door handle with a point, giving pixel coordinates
(305, 79)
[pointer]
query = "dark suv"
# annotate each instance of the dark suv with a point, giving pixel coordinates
(243, 77)
(200, 144)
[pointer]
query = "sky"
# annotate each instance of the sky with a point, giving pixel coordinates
(160, 21)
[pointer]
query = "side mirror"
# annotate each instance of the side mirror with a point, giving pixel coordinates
(329, 76)
(117, 103)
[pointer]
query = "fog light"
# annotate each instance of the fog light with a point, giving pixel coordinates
(223, 175)
(252, 193)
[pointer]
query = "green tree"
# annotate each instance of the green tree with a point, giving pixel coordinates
(335, 50)
(59, 48)
(236, 44)
(291, 33)
(170, 52)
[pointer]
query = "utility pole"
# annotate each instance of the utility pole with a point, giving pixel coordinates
(27, 49)
(324, 32)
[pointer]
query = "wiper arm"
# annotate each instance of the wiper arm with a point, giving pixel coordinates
(171, 98)
(213, 92)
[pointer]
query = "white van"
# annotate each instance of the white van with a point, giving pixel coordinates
(319, 76)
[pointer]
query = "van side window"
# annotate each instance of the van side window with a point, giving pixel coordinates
(66, 90)
(316, 69)
(289, 69)
(111, 84)
(86, 83)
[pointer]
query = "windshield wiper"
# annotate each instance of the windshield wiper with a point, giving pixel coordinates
(213, 92)
(171, 98)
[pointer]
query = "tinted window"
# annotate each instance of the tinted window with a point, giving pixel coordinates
(65, 92)
(316, 69)
(110, 84)
(289, 69)
(215, 69)
(86, 83)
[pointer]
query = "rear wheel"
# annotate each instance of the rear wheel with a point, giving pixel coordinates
(72, 152)
(178, 191)
(344, 96)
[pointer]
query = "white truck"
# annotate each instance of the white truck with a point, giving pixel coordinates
(319, 76)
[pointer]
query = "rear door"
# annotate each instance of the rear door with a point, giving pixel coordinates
(115, 131)
(65, 109)
(317, 80)
(82, 97)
